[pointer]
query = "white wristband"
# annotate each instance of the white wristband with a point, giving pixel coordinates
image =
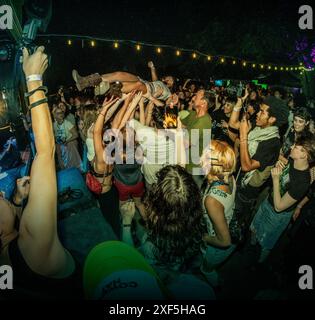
(237, 109)
(34, 77)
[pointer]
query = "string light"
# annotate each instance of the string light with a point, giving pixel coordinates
(178, 52)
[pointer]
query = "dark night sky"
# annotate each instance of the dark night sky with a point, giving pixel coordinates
(160, 21)
(173, 22)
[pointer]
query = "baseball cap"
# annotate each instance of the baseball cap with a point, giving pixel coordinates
(114, 270)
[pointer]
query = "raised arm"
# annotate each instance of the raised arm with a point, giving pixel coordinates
(234, 121)
(153, 71)
(185, 84)
(98, 131)
(142, 113)
(132, 106)
(247, 163)
(119, 116)
(149, 110)
(38, 238)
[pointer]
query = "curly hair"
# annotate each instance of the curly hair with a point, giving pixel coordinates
(174, 216)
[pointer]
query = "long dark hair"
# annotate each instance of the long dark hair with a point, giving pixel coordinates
(174, 216)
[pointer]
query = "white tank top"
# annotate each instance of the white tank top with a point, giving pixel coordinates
(227, 200)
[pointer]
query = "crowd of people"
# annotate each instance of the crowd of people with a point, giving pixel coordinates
(187, 173)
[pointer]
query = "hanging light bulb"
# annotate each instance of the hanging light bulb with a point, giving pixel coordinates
(92, 43)
(209, 58)
(69, 42)
(177, 53)
(194, 55)
(116, 45)
(138, 47)
(244, 64)
(222, 60)
(262, 66)
(269, 67)
(254, 65)
(234, 62)
(158, 50)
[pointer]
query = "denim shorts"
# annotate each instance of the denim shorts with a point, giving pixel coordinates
(214, 257)
(268, 225)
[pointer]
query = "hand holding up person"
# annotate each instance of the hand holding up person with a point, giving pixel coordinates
(108, 103)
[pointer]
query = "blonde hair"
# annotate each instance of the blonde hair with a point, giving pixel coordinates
(218, 160)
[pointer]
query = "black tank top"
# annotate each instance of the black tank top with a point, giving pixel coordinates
(28, 284)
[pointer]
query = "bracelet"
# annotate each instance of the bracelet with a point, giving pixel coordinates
(34, 77)
(41, 88)
(37, 103)
(237, 109)
(299, 206)
(15, 204)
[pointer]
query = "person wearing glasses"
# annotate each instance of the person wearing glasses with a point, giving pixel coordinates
(218, 163)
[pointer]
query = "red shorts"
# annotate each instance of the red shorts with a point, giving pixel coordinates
(127, 192)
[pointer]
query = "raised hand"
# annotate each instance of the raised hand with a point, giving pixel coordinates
(109, 102)
(276, 172)
(36, 63)
(136, 98)
(22, 189)
(151, 65)
(128, 211)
